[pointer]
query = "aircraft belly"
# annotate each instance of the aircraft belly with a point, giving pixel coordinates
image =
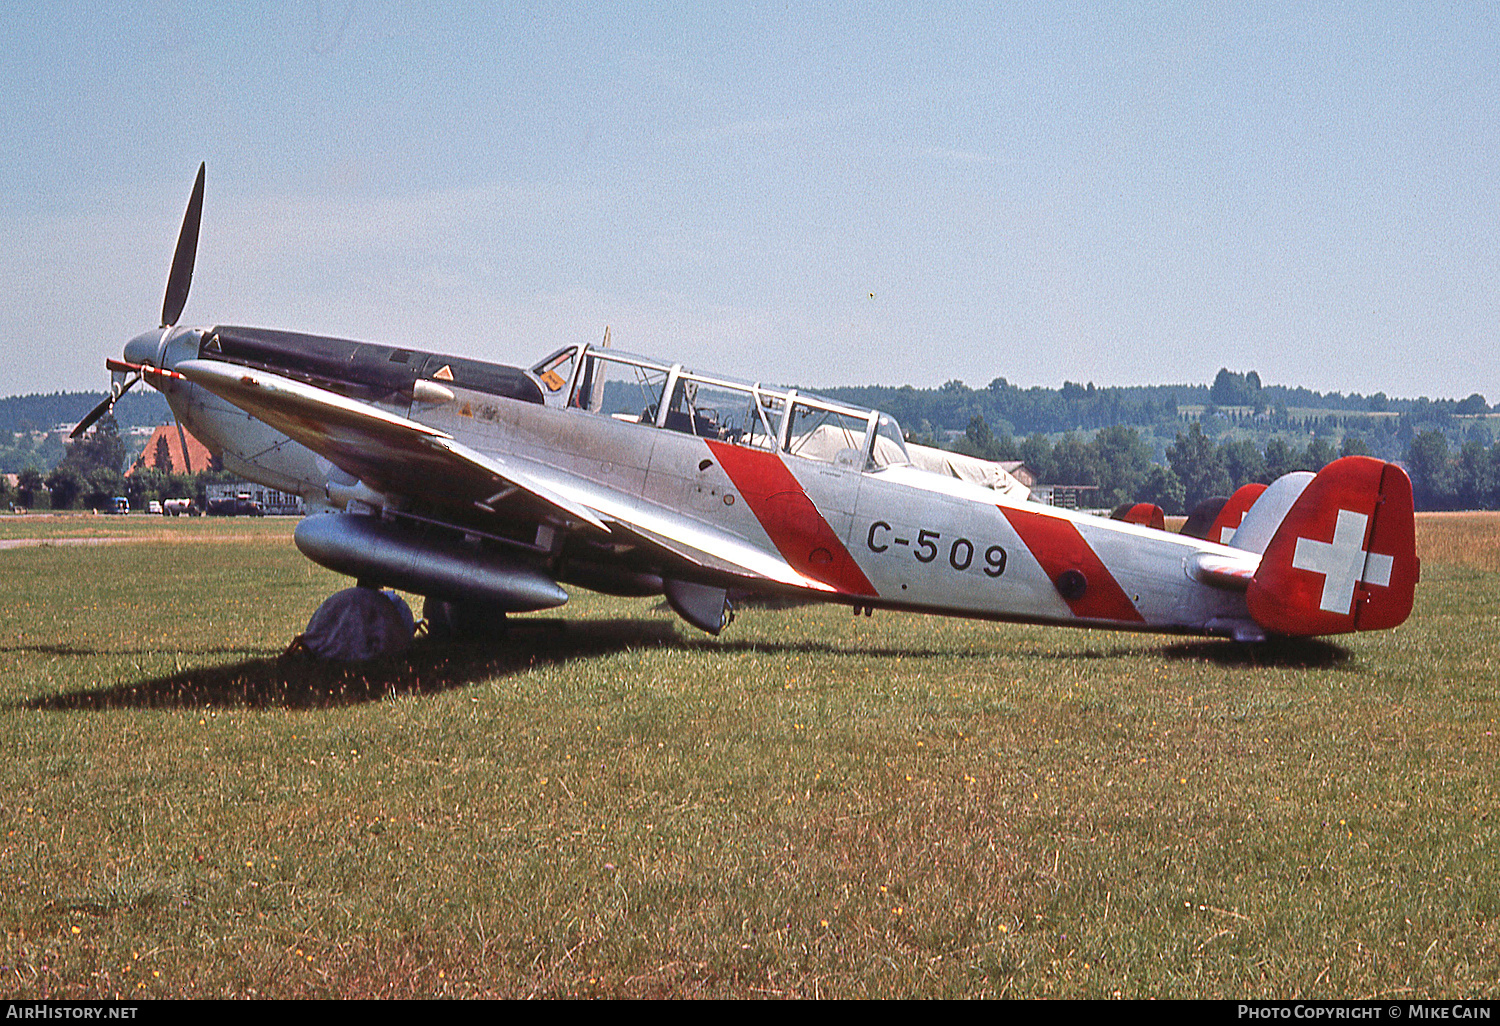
(249, 448)
(215, 422)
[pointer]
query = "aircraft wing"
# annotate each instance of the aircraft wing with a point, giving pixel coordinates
(684, 537)
(391, 454)
(398, 456)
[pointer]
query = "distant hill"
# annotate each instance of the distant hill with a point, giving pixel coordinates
(1236, 398)
(142, 407)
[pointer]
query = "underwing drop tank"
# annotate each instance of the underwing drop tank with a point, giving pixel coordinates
(379, 553)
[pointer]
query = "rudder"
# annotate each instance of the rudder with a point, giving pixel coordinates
(1344, 557)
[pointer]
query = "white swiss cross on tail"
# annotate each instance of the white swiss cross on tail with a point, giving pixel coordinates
(1343, 562)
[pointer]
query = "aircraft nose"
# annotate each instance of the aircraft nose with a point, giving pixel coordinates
(142, 348)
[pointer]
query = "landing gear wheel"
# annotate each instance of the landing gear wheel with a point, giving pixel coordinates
(462, 621)
(357, 624)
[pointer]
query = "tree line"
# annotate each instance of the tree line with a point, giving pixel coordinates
(1177, 444)
(1120, 463)
(1010, 409)
(29, 423)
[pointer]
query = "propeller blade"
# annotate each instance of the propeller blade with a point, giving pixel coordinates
(93, 415)
(117, 389)
(181, 277)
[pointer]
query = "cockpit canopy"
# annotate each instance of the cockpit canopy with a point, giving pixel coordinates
(671, 397)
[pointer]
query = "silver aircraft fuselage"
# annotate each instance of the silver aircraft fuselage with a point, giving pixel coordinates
(696, 479)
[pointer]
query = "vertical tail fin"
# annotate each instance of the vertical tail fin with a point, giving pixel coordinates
(1144, 513)
(1344, 556)
(1218, 519)
(1270, 508)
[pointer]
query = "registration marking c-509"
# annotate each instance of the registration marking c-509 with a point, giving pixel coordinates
(960, 550)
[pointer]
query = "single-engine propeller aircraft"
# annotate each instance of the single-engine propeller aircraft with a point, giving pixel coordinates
(485, 488)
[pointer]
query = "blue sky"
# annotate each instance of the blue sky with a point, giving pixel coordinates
(804, 193)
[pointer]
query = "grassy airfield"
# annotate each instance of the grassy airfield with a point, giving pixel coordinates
(814, 805)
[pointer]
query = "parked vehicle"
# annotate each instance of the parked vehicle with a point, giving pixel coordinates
(180, 507)
(119, 504)
(239, 506)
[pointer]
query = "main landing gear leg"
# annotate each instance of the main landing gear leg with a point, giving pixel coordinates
(462, 621)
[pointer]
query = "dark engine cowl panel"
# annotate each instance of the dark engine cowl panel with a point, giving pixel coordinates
(378, 369)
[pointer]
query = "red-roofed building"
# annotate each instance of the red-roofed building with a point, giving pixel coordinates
(196, 459)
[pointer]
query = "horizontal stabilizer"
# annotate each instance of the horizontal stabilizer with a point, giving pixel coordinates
(1232, 572)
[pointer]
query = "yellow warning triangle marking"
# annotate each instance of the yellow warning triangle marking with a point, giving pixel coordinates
(444, 374)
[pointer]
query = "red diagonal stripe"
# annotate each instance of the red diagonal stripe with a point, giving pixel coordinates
(1058, 546)
(799, 532)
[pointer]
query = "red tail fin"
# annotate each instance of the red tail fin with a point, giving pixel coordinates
(1344, 558)
(1233, 513)
(1144, 513)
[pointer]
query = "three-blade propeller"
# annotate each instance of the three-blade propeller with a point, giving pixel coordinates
(179, 281)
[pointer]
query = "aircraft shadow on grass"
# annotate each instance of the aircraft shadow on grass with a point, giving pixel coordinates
(1293, 653)
(295, 681)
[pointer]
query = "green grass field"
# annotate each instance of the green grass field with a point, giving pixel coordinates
(813, 805)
